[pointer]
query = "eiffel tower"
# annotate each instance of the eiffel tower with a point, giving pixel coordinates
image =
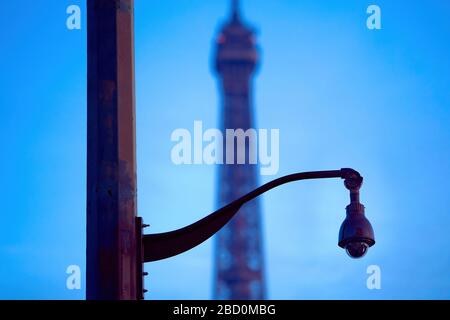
(239, 261)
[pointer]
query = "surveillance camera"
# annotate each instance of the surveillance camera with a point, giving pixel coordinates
(356, 249)
(356, 234)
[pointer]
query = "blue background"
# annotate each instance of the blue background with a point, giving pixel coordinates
(341, 95)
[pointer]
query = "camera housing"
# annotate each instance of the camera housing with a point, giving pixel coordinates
(356, 234)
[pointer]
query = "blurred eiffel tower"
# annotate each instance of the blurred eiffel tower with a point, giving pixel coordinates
(239, 261)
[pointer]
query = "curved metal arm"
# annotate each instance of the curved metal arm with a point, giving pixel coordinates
(165, 245)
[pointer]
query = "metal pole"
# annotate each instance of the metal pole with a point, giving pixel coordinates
(111, 155)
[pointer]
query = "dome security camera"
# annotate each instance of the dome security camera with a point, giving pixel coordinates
(356, 235)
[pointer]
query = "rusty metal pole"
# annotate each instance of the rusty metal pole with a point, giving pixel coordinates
(111, 152)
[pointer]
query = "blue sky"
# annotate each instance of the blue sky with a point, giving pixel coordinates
(341, 95)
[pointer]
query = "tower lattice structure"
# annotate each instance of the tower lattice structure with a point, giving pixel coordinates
(239, 259)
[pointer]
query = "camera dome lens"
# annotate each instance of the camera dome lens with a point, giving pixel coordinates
(356, 249)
